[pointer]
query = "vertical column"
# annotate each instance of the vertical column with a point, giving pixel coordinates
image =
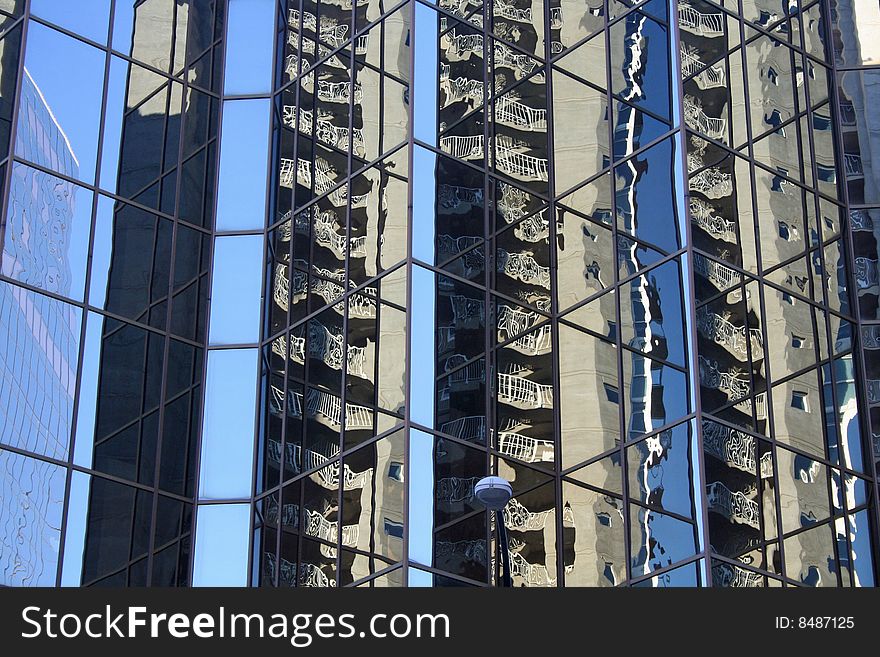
(856, 56)
(228, 426)
(422, 344)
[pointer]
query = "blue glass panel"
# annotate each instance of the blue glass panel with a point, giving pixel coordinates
(862, 557)
(420, 578)
(102, 252)
(250, 38)
(425, 75)
(60, 103)
(75, 531)
(424, 204)
(39, 347)
(31, 500)
(236, 290)
(221, 549)
(244, 150)
(84, 441)
(226, 467)
(113, 118)
(420, 524)
(47, 229)
(89, 18)
(422, 350)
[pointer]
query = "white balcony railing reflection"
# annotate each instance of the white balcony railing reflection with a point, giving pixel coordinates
(705, 25)
(518, 391)
(733, 505)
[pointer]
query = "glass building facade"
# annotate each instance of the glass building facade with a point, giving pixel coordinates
(281, 280)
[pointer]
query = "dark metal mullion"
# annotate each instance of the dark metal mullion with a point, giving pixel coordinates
(493, 546)
(319, 61)
(109, 48)
(71, 440)
(209, 276)
(169, 99)
(103, 192)
(698, 463)
(758, 261)
(858, 353)
(785, 446)
(307, 473)
(13, 123)
(408, 392)
(820, 252)
(618, 288)
(346, 298)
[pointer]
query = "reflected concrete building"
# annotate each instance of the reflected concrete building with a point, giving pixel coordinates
(344, 259)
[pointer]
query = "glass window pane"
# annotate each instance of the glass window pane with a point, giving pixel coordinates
(39, 348)
(222, 536)
(237, 287)
(228, 432)
(244, 152)
(250, 38)
(89, 18)
(32, 494)
(60, 103)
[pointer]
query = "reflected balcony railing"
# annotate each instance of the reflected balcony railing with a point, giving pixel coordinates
(871, 337)
(733, 505)
(705, 25)
(457, 199)
(460, 47)
(524, 448)
(720, 276)
(852, 164)
(471, 428)
(452, 490)
(517, 164)
(523, 267)
(760, 404)
(513, 203)
(873, 386)
(461, 89)
(733, 338)
(531, 574)
(556, 18)
(702, 214)
(535, 343)
(463, 147)
(522, 393)
(534, 229)
(518, 518)
(522, 64)
(697, 120)
(860, 220)
(735, 384)
(705, 77)
(362, 306)
(847, 114)
(503, 9)
(712, 183)
(735, 448)
(317, 526)
(866, 273)
(302, 460)
(466, 550)
(512, 321)
(511, 112)
(729, 576)
(467, 313)
(323, 129)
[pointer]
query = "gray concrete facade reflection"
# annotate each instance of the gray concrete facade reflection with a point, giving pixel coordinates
(282, 280)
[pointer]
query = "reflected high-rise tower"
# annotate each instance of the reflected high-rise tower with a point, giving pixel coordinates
(324, 265)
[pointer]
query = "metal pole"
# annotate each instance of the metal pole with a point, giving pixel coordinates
(505, 551)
